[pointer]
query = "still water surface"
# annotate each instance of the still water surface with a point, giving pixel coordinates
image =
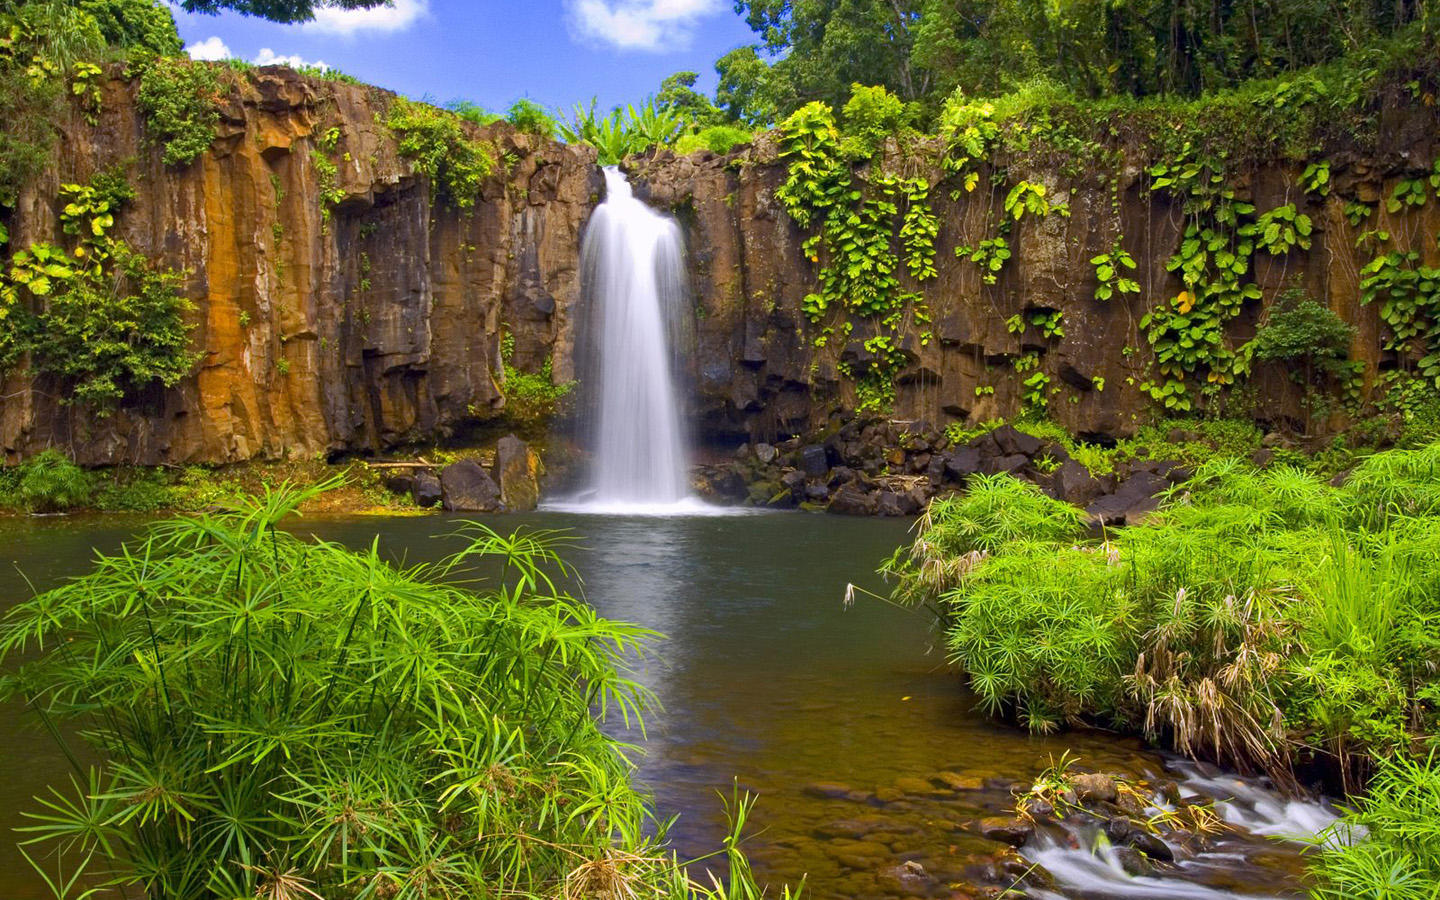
(830, 714)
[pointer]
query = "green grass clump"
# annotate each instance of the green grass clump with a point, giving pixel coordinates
(1261, 616)
(1388, 847)
(278, 716)
(49, 482)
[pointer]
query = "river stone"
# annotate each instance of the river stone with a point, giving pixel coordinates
(467, 487)
(1095, 787)
(909, 876)
(825, 790)
(957, 782)
(765, 453)
(427, 491)
(1135, 864)
(1150, 845)
(1011, 830)
(517, 469)
(817, 493)
(916, 786)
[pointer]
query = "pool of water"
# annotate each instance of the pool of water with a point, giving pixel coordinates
(865, 752)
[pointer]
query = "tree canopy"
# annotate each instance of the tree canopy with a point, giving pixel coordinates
(278, 10)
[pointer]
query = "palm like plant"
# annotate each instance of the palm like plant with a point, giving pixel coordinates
(623, 131)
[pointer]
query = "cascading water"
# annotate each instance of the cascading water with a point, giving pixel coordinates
(633, 272)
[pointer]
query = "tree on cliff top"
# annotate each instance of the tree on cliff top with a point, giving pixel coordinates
(279, 10)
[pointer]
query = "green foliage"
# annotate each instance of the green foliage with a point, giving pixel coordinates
(990, 255)
(436, 142)
(181, 102)
(49, 482)
(871, 115)
(624, 131)
(98, 315)
(472, 112)
(1409, 296)
(532, 399)
(1108, 269)
(286, 11)
(146, 26)
(1311, 339)
(532, 118)
(273, 711)
(1388, 847)
(678, 95)
(719, 139)
(744, 93)
(1259, 614)
(1281, 230)
(924, 50)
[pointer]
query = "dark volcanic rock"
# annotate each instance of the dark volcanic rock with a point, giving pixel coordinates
(401, 483)
(1011, 830)
(961, 463)
(428, 492)
(814, 461)
(1012, 441)
(1135, 497)
(467, 487)
(1073, 483)
(851, 500)
(889, 503)
(1008, 465)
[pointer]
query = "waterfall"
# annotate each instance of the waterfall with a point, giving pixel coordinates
(632, 270)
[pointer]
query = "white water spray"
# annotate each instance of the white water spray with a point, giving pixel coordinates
(633, 271)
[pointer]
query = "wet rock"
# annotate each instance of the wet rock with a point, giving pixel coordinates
(1011, 830)
(957, 782)
(825, 790)
(794, 481)
(427, 490)
(909, 877)
(889, 503)
(852, 829)
(467, 487)
(766, 453)
(1150, 845)
(840, 475)
(814, 461)
(817, 493)
(1134, 863)
(1095, 787)
(851, 500)
(517, 469)
(914, 786)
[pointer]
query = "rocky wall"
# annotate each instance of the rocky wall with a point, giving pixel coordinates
(322, 328)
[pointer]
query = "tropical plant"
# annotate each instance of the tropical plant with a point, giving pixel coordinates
(436, 141)
(623, 131)
(49, 482)
(283, 717)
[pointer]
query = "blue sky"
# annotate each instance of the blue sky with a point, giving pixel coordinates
(556, 52)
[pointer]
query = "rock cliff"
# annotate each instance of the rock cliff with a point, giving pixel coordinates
(323, 327)
(357, 324)
(759, 374)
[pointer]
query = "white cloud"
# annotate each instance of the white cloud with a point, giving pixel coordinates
(639, 24)
(210, 49)
(397, 16)
(268, 57)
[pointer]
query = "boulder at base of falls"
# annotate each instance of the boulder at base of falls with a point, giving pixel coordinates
(427, 490)
(1011, 830)
(851, 500)
(467, 487)
(517, 469)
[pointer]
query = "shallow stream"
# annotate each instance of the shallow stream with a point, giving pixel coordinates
(869, 759)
